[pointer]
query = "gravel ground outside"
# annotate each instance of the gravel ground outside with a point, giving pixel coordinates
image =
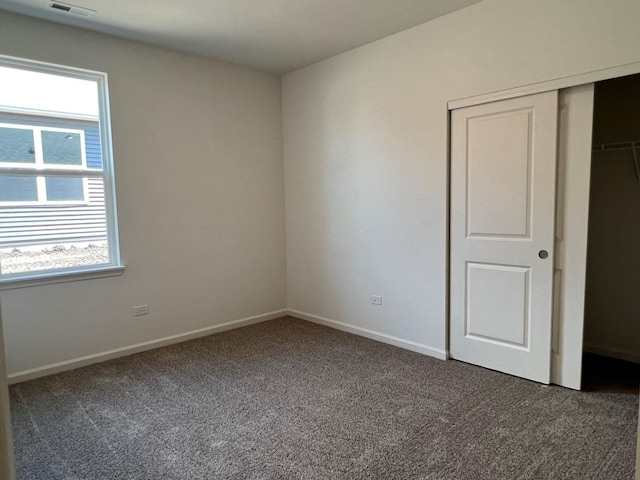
(46, 257)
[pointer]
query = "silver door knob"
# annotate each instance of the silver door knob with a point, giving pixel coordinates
(543, 254)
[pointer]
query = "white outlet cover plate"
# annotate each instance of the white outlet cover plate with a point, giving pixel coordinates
(140, 310)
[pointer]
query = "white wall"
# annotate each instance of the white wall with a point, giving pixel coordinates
(199, 178)
(7, 471)
(365, 146)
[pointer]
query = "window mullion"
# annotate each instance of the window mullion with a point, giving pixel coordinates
(40, 182)
(42, 189)
(52, 172)
(37, 146)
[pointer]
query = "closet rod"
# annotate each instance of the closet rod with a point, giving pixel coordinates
(617, 146)
(633, 146)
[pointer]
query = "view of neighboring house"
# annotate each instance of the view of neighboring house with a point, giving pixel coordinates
(50, 211)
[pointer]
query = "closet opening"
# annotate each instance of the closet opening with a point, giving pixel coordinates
(612, 294)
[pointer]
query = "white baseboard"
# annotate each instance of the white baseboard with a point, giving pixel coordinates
(79, 362)
(74, 363)
(364, 332)
(613, 353)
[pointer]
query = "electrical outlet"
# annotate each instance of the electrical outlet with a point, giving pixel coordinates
(376, 299)
(140, 310)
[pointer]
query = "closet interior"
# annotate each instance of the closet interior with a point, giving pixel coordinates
(612, 302)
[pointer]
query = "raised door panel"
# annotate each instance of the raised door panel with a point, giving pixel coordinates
(499, 174)
(498, 304)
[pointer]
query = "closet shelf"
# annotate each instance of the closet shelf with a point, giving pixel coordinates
(633, 145)
(603, 147)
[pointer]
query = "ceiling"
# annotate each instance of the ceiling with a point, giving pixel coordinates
(273, 35)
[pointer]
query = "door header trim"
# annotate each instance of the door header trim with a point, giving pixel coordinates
(556, 84)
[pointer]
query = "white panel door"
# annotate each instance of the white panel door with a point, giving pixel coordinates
(575, 124)
(503, 190)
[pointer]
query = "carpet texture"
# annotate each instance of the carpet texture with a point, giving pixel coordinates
(287, 399)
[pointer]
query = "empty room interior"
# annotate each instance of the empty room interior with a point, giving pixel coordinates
(392, 239)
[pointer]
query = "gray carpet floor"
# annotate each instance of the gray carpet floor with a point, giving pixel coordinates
(287, 399)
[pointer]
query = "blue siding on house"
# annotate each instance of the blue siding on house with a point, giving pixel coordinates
(52, 224)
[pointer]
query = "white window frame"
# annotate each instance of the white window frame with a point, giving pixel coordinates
(107, 174)
(41, 169)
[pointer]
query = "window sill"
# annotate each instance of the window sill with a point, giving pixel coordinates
(46, 278)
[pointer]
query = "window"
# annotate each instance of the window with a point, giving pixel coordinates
(57, 200)
(42, 150)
